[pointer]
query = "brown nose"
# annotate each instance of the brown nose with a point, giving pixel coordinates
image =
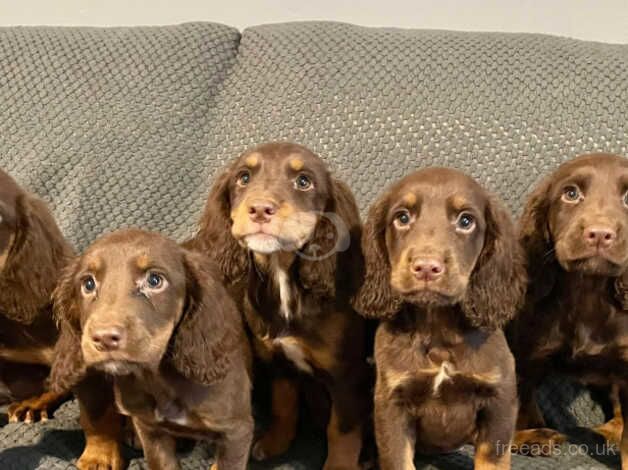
(109, 338)
(262, 211)
(427, 269)
(602, 237)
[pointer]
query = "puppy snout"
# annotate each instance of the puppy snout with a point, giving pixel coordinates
(262, 211)
(427, 269)
(599, 236)
(111, 338)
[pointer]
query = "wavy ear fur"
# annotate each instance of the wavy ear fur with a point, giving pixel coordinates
(340, 231)
(498, 282)
(621, 290)
(214, 237)
(68, 367)
(210, 330)
(537, 243)
(35, 260)
(375, 298)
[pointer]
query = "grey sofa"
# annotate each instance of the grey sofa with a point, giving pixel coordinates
(127, 126)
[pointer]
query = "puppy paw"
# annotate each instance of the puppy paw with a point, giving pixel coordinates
(611, 430)
(34, 409)
(540, 442)
(271, 444)
(101, 457)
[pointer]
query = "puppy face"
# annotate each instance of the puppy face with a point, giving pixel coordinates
(435, 231)
(588, 215)
(276, 194)
(9, 192)
(131, 295)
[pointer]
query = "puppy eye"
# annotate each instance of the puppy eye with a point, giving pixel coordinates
(303, 183)
(243, 178)
(626, 199)
(154, 280)
(465, 222)
(88, 284)
(402, 219)
(571, 194)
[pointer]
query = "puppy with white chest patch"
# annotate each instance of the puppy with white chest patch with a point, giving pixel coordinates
(157, 318)
(444, 273)
(286, 236)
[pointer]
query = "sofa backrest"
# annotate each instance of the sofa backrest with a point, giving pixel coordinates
(127, 126)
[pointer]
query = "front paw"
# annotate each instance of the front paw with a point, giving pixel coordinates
(104, 456)
(540, 442)
(34, 409)
(271, 444)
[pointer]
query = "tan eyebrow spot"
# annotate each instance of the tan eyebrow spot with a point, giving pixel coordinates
(252, 161)
(458, 202)
(142, 262)
(409, 199)
(296, 164)
(94, 264)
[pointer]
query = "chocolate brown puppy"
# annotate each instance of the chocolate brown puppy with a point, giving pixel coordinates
(157, 318)
(286, 236)
(574, 230)
(32, 253)
(444, 273)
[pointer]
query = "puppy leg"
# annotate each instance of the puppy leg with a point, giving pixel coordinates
(103, 431)
(285, 412)
(496, 426)
(37, 408)
(394, 435)
(232, 452)
(159, 447)
(612, 429)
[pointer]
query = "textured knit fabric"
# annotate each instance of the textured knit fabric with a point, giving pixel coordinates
(127, 126)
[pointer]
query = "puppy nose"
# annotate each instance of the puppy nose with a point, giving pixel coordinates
(427, 269)
(600, 236)
(262, 211)
(108, 339)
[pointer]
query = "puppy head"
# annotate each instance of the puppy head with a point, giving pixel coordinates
(578, 217)
(136, 298)
(437, 238)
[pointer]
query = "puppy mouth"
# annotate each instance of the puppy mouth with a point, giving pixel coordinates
(263, 242)
(117, 366)
(599, 263)
(427, 294)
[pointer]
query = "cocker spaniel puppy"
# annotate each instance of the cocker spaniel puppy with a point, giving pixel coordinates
(286, 236)
(444, 273)
(157, 318)
(574, 230)
(32, 253)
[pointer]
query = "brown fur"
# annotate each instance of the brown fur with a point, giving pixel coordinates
(574, 319)
(180, 361)
(312, 329)
(445, 375)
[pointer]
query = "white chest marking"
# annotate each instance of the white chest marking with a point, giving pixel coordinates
(284, 292)
(179, 418)
(441, 376)
(294, 353)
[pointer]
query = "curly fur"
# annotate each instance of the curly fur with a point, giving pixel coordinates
(207, 335)
(37, 256)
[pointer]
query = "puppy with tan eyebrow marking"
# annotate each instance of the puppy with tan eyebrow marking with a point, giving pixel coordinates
(444, 273)
(286, 235)
(574, 230)
(157, 318)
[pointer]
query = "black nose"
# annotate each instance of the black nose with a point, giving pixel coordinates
(108, 339)
(262, 211)
(427, 269)
(599, 236)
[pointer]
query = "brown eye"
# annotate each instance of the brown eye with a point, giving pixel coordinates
(243, 178)
(626, 199)
(402, 218)
(571, 194)
(154, 280)
(88, 284)
(465, 222)
(303, 182)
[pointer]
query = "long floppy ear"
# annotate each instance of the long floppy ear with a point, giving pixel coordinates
(35, 260)
(537, 243)
(68, 367)
(333, 256)
(375, 298)
(498, 281)
(214, 236)
(210, 329)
